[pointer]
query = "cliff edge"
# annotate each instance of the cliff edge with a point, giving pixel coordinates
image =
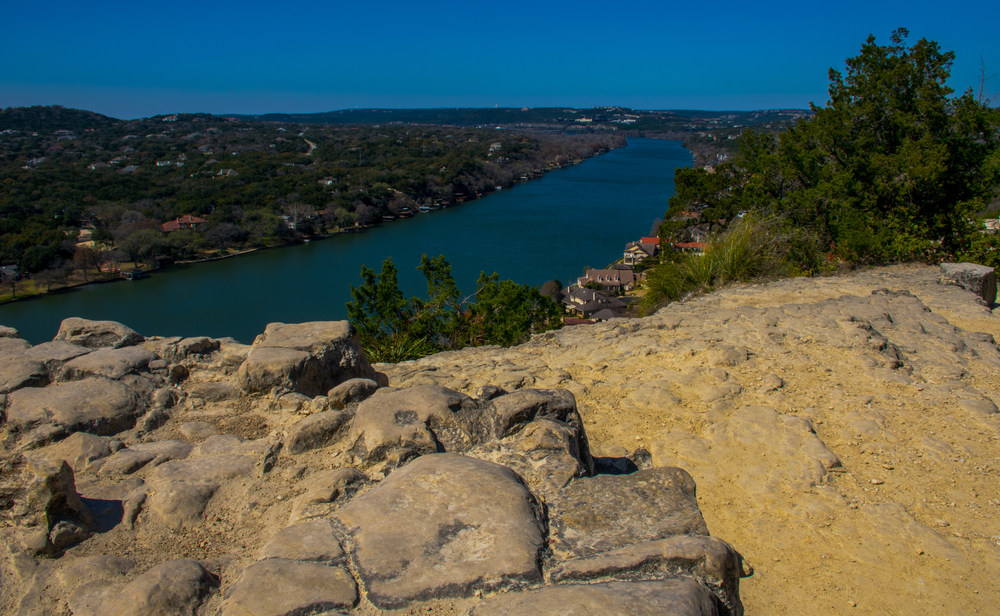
(804, 446)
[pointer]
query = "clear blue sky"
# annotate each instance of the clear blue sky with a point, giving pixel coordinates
(142, 58)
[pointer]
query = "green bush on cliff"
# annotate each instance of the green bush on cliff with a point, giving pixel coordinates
(394, 329)
(890, 169)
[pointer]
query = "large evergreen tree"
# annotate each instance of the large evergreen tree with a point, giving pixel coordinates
(890, 168)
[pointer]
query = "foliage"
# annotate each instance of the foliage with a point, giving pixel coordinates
(393, 328)
(750, 248)
(890, 169)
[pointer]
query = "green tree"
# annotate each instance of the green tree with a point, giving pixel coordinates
(890, 168)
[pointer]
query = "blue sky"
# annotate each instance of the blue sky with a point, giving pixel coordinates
(139, 59)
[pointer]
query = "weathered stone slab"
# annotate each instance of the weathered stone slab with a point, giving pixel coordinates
(55, 354)
(278, 587)
(708, 559)
(78, 450)
(176, 349)
(607, 512)
(669, 597)
(76, 571)
(98, 406)
(212, 468)
(444, 525)
(97, 334)
(215, 391)
(309, 358)
(326, 492)
(12, 346)
(165, 450)
(353, 390)
(17, 372)
(9, 332)
(979, 279)
(126, 462)
(108, 363)
(516, 410)
(181, 503)
(310, 541)
(423, 419)
(315, 431)
(176, 587)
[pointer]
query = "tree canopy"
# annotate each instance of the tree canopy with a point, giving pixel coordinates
(891, 168)
(394, 328)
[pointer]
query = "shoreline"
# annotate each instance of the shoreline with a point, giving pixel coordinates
(317, 237)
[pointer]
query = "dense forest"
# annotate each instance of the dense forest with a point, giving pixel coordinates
(69, 174)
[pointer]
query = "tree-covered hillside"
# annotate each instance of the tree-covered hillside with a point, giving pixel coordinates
(253, 183)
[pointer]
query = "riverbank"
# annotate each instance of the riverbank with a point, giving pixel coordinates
(597, 207)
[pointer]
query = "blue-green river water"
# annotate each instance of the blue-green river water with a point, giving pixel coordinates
(554, 227)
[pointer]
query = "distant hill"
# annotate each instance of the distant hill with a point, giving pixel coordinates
(52, 118)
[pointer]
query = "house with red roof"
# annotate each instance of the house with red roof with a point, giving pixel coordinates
(184, 222)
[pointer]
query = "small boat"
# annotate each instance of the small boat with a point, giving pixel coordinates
(424, 208)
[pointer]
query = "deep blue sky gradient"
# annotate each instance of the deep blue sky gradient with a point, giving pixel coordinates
(139, 59)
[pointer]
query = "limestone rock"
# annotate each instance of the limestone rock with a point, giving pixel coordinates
(607, 512)
(353, 390)
(710, 560)
(78, 450)
(108, 363)
(308, 358)
(327, 492)
(181, 503)
(668, 597)
(444, 525)
(421, 419)
(9, 332)
(176, 587)
(315, 431)
(55, 354)
(177, 349)
(98, 406)
(279, 587)
(215, 391)
(209, 469)
(50, 498)
(17, 372)
(309, 541)
(126, 462)
(97, 334)
(979, 279)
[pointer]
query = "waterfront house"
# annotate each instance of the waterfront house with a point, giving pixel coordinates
(226, 173)
(184, 222)
(691, 247)
(8, 271)
(637, 252)
(610, 279)
(133, 274)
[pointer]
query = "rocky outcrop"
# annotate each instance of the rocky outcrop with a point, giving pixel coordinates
(308, 358)
(838, 432)
(97, 334)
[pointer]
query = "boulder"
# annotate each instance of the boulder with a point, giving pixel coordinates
(180, 504)
(50, 511)
(79, 450)
(423, 420)
(668, 597)
(353, 390)
(607, 512)
(176, 587)
(108, 363)
(444, 525)
(316, 431)
(177, 349)
(979, 279)
(94, 405)
(308, 358)
(55, 354)
(279, 587)
(97, 334)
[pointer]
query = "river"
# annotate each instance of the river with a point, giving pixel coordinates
(573, 218)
